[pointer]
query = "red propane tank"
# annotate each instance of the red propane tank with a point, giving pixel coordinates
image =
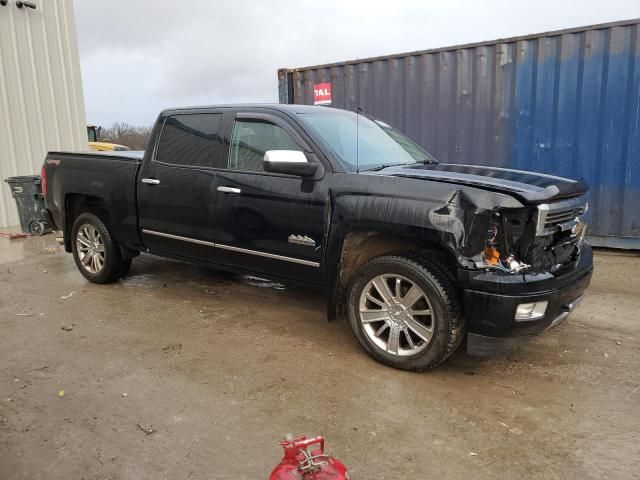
(302, 463)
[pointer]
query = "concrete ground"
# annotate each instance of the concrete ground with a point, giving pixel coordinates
(221, 367)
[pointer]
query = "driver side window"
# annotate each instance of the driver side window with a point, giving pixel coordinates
(251, 139)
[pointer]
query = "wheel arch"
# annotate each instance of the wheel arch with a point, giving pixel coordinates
(76, 204)
(360, 246)
(354, 247)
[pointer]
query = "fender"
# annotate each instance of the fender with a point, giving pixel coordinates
(454, 220)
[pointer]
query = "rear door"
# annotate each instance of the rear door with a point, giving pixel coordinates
(271, 223)
(176, 189)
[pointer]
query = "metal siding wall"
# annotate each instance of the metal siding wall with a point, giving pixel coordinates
(565, 103)
(41, 101)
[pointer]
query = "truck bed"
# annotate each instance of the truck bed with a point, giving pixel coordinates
(106, 179)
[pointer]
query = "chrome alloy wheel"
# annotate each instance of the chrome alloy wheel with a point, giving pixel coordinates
(90, 248)
(396, 315)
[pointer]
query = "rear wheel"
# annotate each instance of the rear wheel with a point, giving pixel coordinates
(96, 253)
(405, 312)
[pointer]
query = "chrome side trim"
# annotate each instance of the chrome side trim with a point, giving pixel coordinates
(274, 256)
(178, 237)
(268, 255)
(228, 190)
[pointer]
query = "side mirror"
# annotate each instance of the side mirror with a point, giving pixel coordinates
(291, 162)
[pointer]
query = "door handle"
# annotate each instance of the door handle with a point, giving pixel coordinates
(233, 190)
(150, 181)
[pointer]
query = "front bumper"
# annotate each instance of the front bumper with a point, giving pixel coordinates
(491, 299)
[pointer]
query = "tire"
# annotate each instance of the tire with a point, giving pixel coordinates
(36, 228)
(90, 235)
(401, 336)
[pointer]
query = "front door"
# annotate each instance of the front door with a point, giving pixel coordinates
(270, 223)
(176, 189)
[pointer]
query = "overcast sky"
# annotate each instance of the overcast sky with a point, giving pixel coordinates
(140, 56)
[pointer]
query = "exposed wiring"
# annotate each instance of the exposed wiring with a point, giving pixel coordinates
(504, 237)
(492, 233)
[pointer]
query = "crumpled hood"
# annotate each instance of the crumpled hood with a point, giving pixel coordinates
(530, 187)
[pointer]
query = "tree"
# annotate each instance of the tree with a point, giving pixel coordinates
(128, 135)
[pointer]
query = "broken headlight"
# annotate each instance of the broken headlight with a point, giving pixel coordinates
(496, 254)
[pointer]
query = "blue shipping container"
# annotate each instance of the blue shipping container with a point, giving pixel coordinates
(565, 103)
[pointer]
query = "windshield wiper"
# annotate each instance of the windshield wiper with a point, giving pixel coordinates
(377, 168)
(383, 166)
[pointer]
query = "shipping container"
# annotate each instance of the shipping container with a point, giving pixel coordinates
(564, 102)
(41, 101)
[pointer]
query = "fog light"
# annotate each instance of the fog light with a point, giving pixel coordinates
(531, 311)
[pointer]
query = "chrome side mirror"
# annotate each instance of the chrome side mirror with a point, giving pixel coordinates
(290, 162)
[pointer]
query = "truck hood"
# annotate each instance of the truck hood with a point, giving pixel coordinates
(529, 187)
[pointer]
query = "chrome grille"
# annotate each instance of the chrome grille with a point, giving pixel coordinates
(560, 216)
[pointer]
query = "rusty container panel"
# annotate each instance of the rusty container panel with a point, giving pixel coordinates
(565, 103)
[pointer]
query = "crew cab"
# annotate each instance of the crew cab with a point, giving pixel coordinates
(418, 255)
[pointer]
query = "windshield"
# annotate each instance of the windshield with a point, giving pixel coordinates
(370, 145)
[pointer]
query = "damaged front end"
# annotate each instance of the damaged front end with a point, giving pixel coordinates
(532, 272)
(547, 238)
(489, 233)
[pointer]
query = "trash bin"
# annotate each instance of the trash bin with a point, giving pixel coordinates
(27, 191)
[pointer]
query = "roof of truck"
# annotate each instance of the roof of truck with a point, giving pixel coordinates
(289, 108)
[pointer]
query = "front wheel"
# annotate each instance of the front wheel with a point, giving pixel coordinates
(96, 253)
(405, 312)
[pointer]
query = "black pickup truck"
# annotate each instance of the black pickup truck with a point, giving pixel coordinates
(419, 255)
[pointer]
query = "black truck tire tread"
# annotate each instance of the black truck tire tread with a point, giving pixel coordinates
(448, 281)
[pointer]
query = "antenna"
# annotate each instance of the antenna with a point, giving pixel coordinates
(357, 115)
(357, 142)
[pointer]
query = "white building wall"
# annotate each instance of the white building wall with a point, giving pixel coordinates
(41, 100)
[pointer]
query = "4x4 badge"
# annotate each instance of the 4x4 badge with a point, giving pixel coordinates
(302, 240)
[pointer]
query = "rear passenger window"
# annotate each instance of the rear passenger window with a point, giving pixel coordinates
(251, 139)
(192, 140)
